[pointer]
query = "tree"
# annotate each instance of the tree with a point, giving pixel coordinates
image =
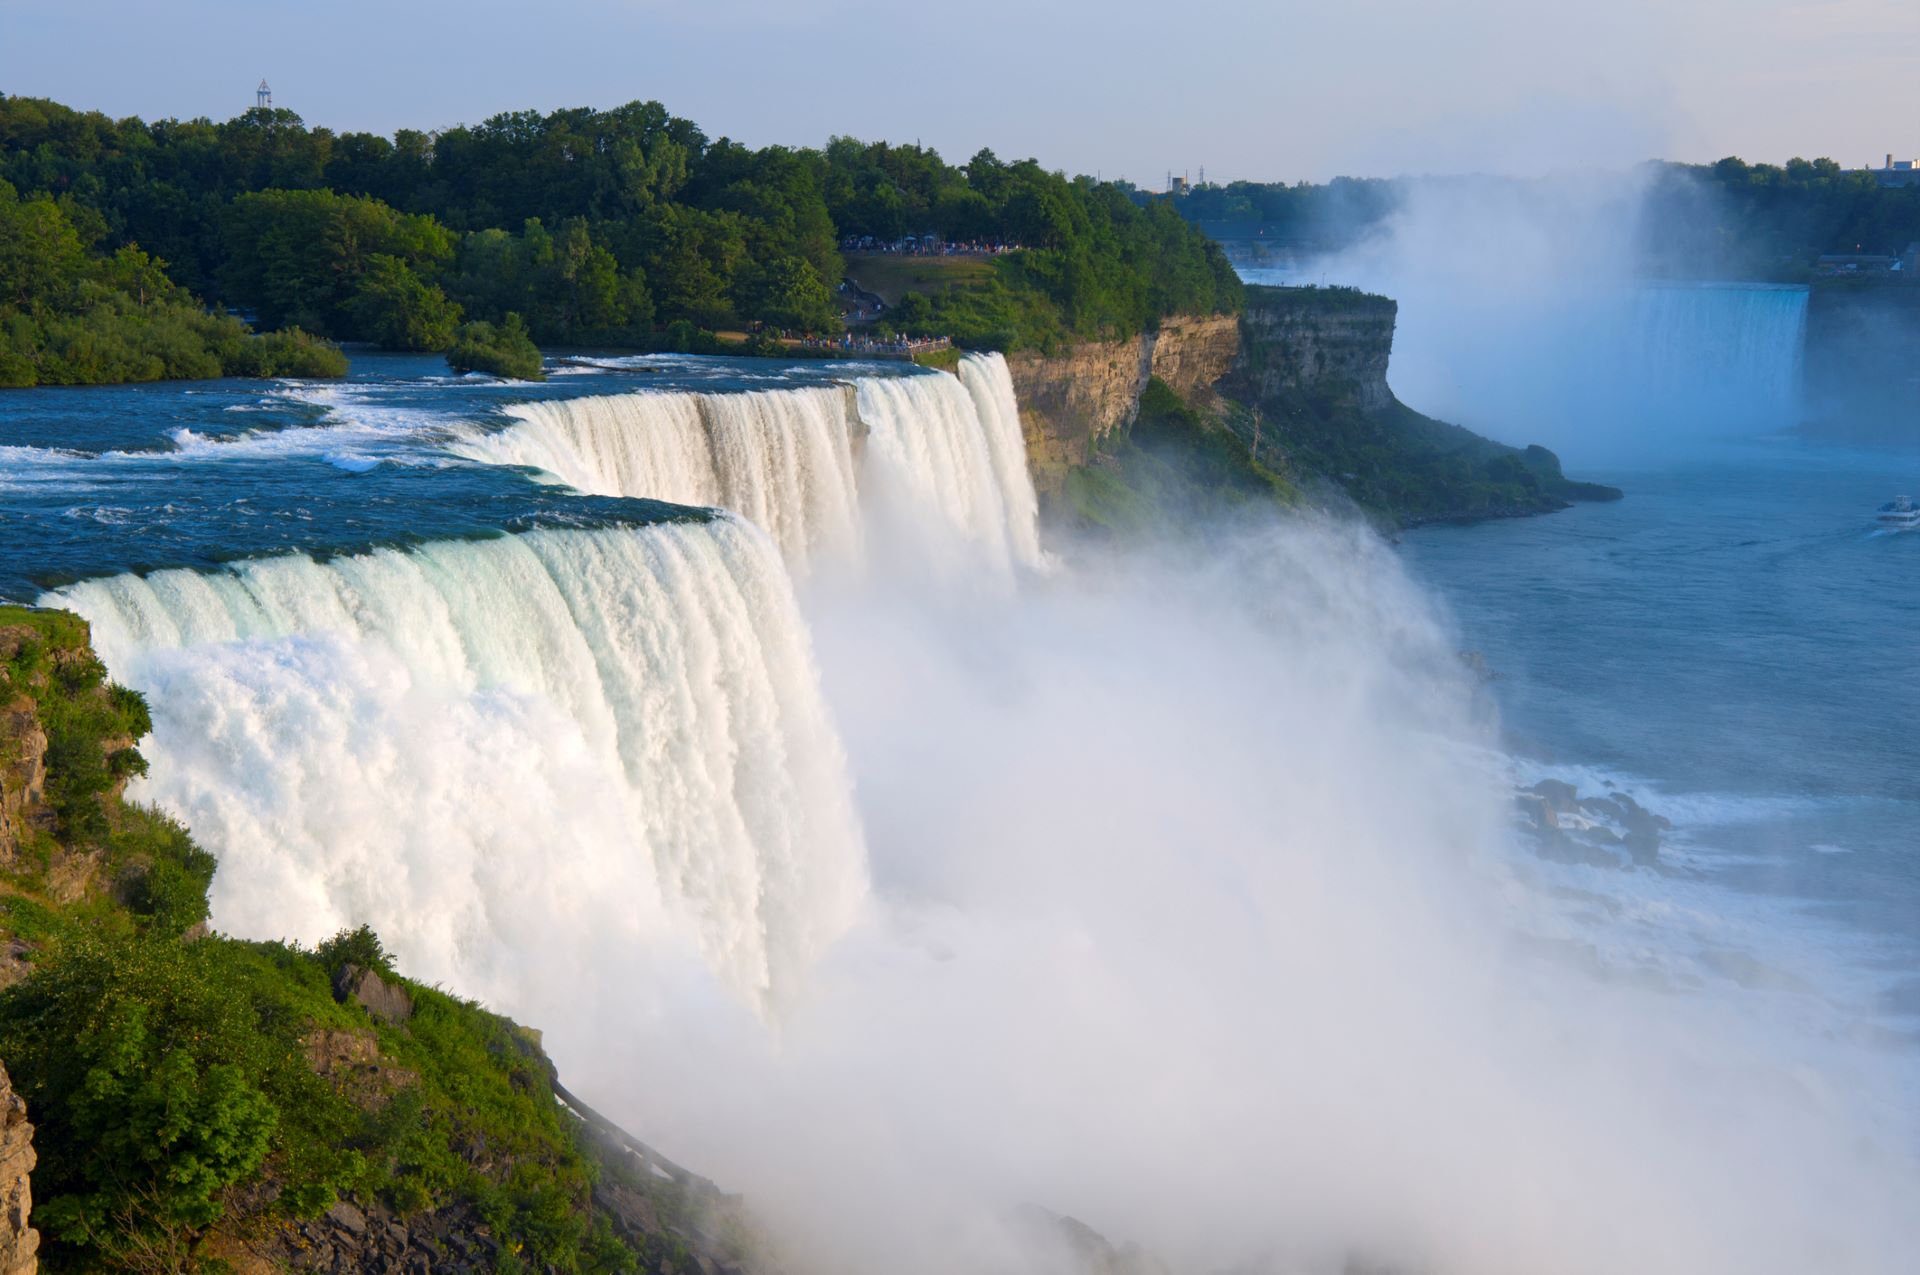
(502, 350)
(789, 293)
(152, 1079)
(395, 309)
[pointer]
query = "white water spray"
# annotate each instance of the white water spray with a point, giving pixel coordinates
(482, 746)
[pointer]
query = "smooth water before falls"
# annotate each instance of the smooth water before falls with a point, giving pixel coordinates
(1736, 642)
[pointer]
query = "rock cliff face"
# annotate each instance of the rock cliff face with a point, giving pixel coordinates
(1287, 341)
(1300, 378)
(1313, 341)
(19, 1242)
(1070, 400)
(23, 756)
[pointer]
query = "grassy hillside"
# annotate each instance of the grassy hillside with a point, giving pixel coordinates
(892, 276)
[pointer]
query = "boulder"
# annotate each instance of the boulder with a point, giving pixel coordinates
(386, 1002)
(1560, 796)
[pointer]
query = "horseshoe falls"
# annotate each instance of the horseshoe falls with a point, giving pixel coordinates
(936, 460)
(490, 747)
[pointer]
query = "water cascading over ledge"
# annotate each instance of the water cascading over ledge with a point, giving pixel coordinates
(555, 741)
(931, 458)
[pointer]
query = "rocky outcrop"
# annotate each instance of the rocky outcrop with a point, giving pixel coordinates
(1072, 399)
(23, 754)
(19, 1242)
(1608, 830)
(1317, 340)
(1326, 341)
(23, 775)
(386, 1002)
(1192, 353)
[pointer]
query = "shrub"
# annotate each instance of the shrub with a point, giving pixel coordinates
(498, 350)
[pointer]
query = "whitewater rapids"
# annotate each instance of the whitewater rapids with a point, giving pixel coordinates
(934, 459)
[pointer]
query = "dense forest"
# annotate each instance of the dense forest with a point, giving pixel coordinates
(622, 227)
(1721, 220)
(69, 316)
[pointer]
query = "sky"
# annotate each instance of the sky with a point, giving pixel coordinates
(1121, 88)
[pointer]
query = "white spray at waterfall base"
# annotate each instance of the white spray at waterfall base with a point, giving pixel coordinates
(1193, 919)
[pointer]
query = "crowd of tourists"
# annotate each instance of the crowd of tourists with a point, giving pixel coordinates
(927, 246)
(898, 347)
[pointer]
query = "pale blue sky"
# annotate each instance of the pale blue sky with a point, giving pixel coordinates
(1122, 87)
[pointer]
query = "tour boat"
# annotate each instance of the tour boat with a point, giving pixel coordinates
(1901, 511)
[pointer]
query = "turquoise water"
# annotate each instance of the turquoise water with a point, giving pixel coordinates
(1737, 642)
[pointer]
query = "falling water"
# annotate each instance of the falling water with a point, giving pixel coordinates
(475, 742)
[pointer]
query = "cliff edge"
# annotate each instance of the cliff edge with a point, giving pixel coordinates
(1297, 384)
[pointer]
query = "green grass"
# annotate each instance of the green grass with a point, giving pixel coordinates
(893, 275)
(947, 360)
(58, 628)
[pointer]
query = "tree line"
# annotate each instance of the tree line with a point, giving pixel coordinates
(620, 227)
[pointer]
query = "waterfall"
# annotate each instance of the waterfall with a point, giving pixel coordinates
(948, 453)
(780, 458)
(940, 458)
(489, 747)
(1719, 351)
(1599, 371)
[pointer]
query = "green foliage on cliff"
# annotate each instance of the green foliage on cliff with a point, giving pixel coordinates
(72, 316)
(1410, 468)
(193, 1094)
(1736, 219)
(1176, 465)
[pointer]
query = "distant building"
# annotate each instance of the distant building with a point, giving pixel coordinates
(1177, 186)
(1898, 172)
